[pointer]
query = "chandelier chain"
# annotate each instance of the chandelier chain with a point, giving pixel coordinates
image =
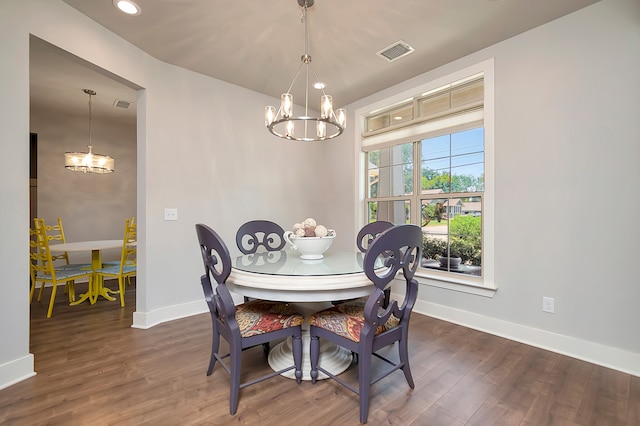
(90, 144)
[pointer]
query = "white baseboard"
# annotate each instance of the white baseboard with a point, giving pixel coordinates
(606, 356)
(146, 320)
(16, 371)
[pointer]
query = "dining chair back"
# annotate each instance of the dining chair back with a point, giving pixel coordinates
(55, 235)
(43, 270)
(366, 328)
(132, 239)
(365, 237)
(260, 233)
(369, 232)
(127, 266)
(249, 324)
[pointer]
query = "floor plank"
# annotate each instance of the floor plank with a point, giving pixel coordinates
(94, 369)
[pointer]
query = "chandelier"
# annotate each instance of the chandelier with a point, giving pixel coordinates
(284, 124)
(88, 162)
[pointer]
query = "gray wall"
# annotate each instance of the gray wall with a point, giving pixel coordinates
(546, 81)
(92, 206)
(567, 144)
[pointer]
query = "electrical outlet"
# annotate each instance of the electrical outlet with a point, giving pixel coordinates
(170, 214)
(548, 304)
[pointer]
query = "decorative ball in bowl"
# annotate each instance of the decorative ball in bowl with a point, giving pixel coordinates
(452, 262)
(310, 247)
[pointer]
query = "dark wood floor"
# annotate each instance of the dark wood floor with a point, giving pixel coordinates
(94, 369)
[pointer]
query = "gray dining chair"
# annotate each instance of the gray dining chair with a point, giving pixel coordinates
(369, 232)
(366, 235)
(260, 233)
(366, 329)
(244, 326)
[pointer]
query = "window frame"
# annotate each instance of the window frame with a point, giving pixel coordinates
(484, 285)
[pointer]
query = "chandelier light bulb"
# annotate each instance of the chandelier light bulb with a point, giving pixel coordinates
(286, 101)
(269, 115)
(326, 106)
(341, 116)
(322, 129)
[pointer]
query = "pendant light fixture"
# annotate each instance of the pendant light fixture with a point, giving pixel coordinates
(285, 124)
(88, 162)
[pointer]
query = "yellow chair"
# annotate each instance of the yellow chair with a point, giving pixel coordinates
(126, 268)
(55, 234)
(33, 244)
(42, 268)
(132, 223)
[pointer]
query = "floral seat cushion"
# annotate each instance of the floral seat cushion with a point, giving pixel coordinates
(347, 320)
(261, 316)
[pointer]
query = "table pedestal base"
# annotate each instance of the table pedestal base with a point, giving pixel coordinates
(333, 358)
(96, 288)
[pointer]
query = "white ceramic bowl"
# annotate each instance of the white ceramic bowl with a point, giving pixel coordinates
(310, 247)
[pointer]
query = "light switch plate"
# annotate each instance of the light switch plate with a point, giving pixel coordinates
(548, 305)
(170, 214)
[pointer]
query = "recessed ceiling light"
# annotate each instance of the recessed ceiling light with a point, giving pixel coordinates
(318, 85)
(128, 7)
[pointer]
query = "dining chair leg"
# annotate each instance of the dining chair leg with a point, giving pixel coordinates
(314, 354)
(234, 370)
(215, 345)
(364, 383)
(52, 300)
(40, 292)
(121, 287)
(70, 289)
(297, 356)
(404, 358)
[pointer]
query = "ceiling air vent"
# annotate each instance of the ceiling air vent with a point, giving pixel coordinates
(396, 51)
(121, 104)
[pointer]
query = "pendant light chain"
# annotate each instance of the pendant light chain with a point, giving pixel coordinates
(90, 93)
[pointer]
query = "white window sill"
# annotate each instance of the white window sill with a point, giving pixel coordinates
(456, 282)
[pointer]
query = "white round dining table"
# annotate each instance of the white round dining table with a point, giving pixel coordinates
(309, 285)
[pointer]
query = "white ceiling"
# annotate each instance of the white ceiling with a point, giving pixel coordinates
(258, 44)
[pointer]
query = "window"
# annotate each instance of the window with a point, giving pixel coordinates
(448, 202)
(425, 162)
